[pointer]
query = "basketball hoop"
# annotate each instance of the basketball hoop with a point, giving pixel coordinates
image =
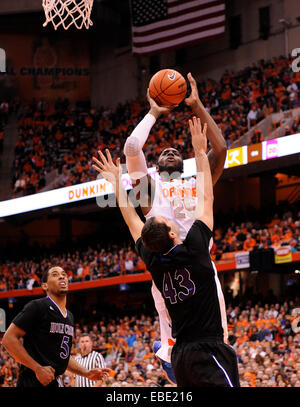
(68, 12)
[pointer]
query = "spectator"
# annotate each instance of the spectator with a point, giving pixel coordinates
(262, 363)
(57, 140)
(252, 116)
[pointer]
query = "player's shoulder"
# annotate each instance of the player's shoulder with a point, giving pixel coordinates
(35, 307)
(42, 300)
(198, 238)
(199, 225)
(38, 302)
(142, 250)
(139, 245)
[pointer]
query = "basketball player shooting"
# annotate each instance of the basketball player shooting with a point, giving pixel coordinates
(184, 275)
(170, 196)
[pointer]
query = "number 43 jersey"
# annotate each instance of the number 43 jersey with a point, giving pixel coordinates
(186, 278)
(49, 334)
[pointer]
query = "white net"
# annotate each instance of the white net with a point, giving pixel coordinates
(68, 12)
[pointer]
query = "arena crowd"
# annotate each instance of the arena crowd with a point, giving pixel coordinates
(95, 261)
(57, 141)
(265, 337)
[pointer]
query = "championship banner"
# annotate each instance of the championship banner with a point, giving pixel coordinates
(45, 66)
(242, 260)
(283, 255)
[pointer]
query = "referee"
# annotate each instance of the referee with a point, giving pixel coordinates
(89, 359)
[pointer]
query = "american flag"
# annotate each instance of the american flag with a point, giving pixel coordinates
(160, 25)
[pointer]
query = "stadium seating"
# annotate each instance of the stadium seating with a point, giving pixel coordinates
(262, 334)
(92, 263)
(56, 141)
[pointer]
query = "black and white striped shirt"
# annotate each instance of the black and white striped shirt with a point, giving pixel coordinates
(92, 360)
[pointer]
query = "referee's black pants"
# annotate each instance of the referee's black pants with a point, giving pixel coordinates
(205, 364)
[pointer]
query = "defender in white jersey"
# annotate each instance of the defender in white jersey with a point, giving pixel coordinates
(168, 195)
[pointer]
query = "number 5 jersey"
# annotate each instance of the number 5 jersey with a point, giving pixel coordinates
(49, 335)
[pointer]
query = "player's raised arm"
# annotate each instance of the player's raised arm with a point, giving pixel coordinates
(217, 154)
(204, 186)
(135, 158)
(133, 148)
(112, 173)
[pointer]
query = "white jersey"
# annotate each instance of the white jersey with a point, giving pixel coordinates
(176, 200)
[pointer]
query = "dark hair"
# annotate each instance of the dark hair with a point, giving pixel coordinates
(155, 236)
(45, 276)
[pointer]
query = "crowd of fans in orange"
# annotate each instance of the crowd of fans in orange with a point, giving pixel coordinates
(265, 336)
(280, 231)
(56, 142)
(84, 265)
(96, 262)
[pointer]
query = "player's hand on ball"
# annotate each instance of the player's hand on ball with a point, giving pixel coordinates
(199, 139)
(193, 99)
(110, 171)
(155, 109)
(45, 374)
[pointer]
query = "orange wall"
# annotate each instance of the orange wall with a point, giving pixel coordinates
(81, 228)
(288, 187)
(240, 191)
(45, 231)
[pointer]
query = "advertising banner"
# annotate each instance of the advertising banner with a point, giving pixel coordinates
(283, 255)
(242, 260)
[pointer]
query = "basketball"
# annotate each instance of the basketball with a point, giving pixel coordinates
(167, 87)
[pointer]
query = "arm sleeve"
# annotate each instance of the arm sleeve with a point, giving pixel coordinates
(198, 239)
(135, 159)
(28, 317)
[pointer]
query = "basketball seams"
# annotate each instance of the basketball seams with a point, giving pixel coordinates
(175, 94)
(164, 100)
(171, 84)
(162, 80)
(158, 92)
(157, 96)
